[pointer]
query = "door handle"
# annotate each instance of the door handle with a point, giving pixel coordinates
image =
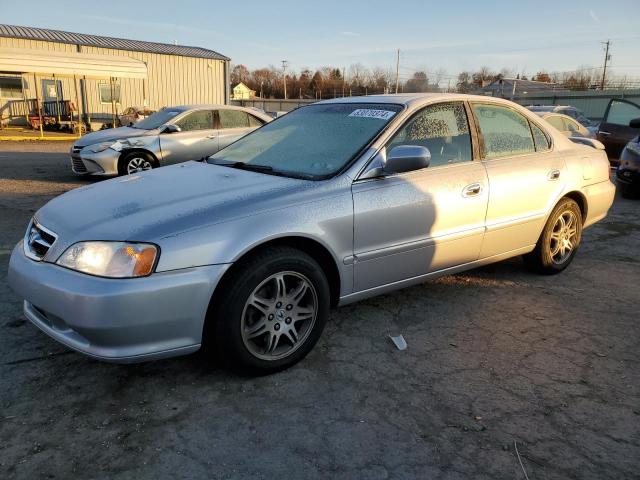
(553, 175)
(602, 132)
(472, 190)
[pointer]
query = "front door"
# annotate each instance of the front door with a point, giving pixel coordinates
(525, 177)
(196, 139)
(409, 224)
(614, 131)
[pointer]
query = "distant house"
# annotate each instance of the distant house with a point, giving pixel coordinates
(242, 92)
(510, 87)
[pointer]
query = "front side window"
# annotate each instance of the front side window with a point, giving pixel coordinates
(621, 113)
(198, 120)
(314, 141)
(442, 128)
(505, 132)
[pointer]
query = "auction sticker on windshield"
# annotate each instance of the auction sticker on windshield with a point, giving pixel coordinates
(371, 113)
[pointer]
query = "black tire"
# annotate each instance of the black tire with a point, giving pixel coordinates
(542, 260)
(125, 159)
(223, 335)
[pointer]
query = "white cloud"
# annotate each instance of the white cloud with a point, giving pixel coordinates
(593, 15)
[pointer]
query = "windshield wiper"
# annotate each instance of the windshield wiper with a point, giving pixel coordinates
(244, 166)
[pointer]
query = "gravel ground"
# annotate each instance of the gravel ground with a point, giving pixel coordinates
(497, 358)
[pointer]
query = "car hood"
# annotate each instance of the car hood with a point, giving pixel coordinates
(163, 202)
(112, 134)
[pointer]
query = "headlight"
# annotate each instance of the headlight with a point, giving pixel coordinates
(110, 259)
(101, 147)
(634, 147)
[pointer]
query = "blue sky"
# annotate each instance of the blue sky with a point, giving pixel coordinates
(454, 36)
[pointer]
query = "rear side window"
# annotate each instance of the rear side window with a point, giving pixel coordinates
(540, 139)
(254, 122)
(556, 122)
(505, 132)
(442, 128)
(233, 119)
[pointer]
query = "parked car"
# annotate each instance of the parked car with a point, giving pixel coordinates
(333, 203)
(566, 125)
(628, 172)
(568, 110)
(616, 129)
(132, 115)
(171, 135)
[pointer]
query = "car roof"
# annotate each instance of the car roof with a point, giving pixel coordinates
(416, 99)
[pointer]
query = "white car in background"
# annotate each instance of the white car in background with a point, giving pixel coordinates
(132, 115)
(171, 135)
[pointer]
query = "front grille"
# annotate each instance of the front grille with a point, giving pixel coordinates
(38, 240)
(78, 165)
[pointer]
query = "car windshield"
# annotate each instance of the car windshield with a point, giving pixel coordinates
(313, 142)
(157, 119)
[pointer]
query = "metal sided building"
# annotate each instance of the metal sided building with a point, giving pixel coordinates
(101, 76)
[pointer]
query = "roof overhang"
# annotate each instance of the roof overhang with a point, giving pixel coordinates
(19, 60)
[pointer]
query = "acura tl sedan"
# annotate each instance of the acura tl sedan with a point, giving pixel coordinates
(171, 135)
(332, 203)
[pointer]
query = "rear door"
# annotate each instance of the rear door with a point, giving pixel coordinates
(413, 223)
(525, 177)
(614, 131)
(234, 124)
(197, 138)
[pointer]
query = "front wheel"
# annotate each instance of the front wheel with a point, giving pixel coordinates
(270, 312)
(559, 240)
(135, 162)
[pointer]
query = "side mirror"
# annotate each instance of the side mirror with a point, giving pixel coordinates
(171, 128)
(406, 158)
(635, 123)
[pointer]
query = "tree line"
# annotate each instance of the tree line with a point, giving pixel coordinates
(330, 82)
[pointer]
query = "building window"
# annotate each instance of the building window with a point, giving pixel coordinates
(10, 87)
(105, 92)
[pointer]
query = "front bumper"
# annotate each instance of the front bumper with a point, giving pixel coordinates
(85, 162)
(117, 320)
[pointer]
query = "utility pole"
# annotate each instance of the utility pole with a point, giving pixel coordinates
(606, 59)
(284, 77)
(397, 70)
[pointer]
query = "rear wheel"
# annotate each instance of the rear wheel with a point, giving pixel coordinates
(559, 240)
(270, 312)
(135, 162)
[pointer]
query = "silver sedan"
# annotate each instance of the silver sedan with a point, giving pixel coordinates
(172, 135)
(332, 203)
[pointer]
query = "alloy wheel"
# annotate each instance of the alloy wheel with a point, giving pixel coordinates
(138, 164)
(564, 237)
(279, 315)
